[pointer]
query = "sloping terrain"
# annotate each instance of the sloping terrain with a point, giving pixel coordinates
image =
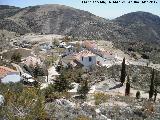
(63, 20)
(145, 26)
(7, 11)
(136, 31)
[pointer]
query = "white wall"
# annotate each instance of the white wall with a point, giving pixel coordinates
(86, 61)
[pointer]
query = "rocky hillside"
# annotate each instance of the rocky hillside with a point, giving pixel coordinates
(60, 19)
(7, 11)
(64, 20)
(145, 26)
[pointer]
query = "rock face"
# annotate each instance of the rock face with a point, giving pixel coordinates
(60, 19)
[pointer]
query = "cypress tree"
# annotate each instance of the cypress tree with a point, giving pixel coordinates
(123, 72)
(156, 85)
(138, 94)
(127, 90)
(151, 91)
(155, 94)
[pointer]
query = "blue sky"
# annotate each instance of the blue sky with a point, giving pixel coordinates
(109, 11)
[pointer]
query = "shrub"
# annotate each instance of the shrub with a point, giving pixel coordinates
(82, 117)
(138, 95)
(16, 57)
(100, 98)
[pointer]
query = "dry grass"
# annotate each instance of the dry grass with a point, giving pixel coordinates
(82, 118)
(101, 98)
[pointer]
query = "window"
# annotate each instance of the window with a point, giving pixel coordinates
(90, 59)
(82, 58)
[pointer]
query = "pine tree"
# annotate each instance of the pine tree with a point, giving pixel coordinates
(127, 90)
(79, 78)
(123, 72)
(62, 84)
(83, 89)
(156, 85)
(151, 91)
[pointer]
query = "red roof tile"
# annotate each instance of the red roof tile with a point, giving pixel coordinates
(5, 70)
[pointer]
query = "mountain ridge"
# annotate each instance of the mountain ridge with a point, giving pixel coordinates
(65, 20)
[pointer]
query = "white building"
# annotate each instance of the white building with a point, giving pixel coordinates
(69, 50)
(8, 75)
(86, 58)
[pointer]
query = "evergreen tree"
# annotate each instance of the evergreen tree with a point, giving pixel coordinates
(123, 72)
(127, 90)
(36, 70)
(138, 94)
(83, 89)
(62, 84)
(16, 57)
(151, 91)
(79, 78)
(156, 85)
(155, 93)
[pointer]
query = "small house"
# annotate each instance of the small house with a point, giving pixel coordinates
(27, 79)
(90, 45)
(69, 50)
(8, 75)
(86, 58)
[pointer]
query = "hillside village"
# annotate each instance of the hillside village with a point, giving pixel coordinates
(81, 78)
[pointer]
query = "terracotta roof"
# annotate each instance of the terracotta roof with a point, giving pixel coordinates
(84, 53)
(89, 44)
(5, 70)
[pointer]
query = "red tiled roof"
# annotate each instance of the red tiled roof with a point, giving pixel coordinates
(89, 44)
(5, 70)
(84, 53)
